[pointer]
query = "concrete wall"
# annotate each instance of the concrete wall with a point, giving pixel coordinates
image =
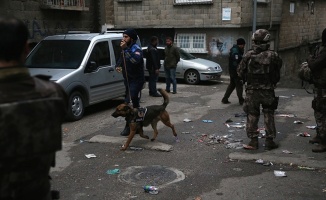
(166, 14)
(45, 22)
(299, 34)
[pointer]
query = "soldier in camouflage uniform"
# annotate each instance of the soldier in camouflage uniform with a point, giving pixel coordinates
(318, 69)
(31, 113)
(260, 69)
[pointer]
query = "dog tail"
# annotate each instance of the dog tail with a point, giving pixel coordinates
(165, 96)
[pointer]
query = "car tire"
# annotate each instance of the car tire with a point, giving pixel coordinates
(75, 106)
(192, 77)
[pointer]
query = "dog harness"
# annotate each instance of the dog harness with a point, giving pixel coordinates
(141, 112)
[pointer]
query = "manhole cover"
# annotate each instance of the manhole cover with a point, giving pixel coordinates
(151, 175)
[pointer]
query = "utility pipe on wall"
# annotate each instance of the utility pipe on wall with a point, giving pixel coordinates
(254, 16)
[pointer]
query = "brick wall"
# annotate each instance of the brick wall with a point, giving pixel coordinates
(164, 14)
(44, 22)
(301, 27)
(299, 33)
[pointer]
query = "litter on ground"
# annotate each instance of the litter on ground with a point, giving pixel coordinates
(279, 173)
(90, 155)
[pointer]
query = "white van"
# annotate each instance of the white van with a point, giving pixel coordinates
(83, 64)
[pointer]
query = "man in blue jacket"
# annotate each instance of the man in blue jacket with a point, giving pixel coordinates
(131, 64)
(235, 58)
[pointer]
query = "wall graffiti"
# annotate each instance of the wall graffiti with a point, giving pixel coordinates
(220, 46)
(42, 28)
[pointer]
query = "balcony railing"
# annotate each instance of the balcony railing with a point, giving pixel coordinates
(65, 5)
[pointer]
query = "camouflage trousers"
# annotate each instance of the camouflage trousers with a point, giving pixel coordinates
(319, 106)
(253, 100)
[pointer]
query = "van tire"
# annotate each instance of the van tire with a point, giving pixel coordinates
(76, 106)
(192, 77)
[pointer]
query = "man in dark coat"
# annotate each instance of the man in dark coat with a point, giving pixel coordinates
(235, 58)
(172, 57)
(153, 66)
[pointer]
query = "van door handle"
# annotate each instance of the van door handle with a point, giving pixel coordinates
(111, 70)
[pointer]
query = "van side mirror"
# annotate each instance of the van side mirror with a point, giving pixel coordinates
(91, 66)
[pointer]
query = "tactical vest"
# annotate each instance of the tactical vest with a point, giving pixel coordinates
(30, 128)
(262, 72)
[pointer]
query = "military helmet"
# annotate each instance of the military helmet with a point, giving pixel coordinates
(261, 35)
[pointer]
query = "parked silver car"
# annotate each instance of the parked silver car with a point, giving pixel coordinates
(190, 68)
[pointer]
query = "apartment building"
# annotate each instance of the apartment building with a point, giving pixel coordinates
(206, 28)
(300, 31)
(209, 28)
(49, 17)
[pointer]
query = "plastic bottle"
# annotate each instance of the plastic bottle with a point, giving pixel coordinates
(151, 189)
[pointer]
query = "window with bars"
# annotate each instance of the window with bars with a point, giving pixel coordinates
(123, 1)
(193, 1)
(66, 4)
(192, 43)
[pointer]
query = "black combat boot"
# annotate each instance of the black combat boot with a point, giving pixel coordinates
(253, 143)
(319, 148)
(322, 145)
(241, 101)
(126, 130)
(225, 101)
(316, 139)
(270, 144)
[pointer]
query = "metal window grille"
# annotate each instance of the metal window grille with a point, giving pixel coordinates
(192, 1)
(192, 43)
(78, 3)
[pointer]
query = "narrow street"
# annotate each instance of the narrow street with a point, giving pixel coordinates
(208, 163)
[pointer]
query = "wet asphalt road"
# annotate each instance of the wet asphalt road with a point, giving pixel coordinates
(198, 167)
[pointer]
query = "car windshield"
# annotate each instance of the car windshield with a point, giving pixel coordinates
(58, 54)
(185, 55)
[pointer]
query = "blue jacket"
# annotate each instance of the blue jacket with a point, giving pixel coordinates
(134, 62)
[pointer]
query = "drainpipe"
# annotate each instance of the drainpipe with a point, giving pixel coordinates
(271, 19)
(254, 16)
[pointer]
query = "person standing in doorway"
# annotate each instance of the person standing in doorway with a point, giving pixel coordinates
(236, 53)
(153, 66)
(172, 57)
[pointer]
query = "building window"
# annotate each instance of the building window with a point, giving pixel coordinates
(125, 1)
(292, 7)
(179, 2)
(192, 43)
(80, 5)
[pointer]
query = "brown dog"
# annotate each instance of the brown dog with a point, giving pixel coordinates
(154, 114)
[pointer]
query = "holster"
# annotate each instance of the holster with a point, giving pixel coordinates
(275, 103)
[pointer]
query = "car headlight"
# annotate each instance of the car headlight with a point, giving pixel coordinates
(210, 69)
(219, 67)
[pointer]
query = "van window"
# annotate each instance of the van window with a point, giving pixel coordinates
(117, 49)
(58, 54)
(100, 54)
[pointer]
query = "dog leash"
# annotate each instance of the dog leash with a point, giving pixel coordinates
(128, 88)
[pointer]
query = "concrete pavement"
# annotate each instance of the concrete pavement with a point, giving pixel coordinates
(211, 170)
